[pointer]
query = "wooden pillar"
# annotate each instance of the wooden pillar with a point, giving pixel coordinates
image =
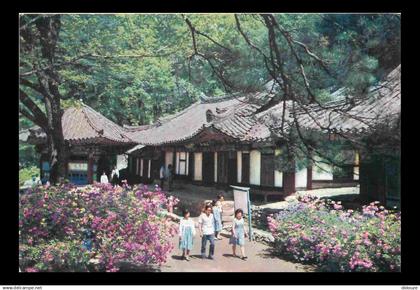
(174, 159)
(289, 183)
(90, 168)
(309, 177)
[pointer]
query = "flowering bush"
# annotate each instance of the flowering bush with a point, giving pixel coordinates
(171, 203)
(322, 232)
(94, 228)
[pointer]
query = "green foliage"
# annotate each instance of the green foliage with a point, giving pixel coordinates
(27, 173)
(138, 68)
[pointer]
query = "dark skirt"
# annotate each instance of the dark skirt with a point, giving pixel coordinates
(115, 180)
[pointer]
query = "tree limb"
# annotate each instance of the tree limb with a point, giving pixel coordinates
(39, 116)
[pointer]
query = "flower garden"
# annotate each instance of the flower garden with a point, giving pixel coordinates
(92, 228)
(322, 233)
(99, 228)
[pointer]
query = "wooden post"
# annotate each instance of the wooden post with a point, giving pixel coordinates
(90, 168)
(309, 177)
(288, 183)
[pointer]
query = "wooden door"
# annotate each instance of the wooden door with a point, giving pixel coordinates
(267, 170)
(191, 166)
(245, 168)
(208, 167)
(222, 167)
(145, 169)
(232, 165)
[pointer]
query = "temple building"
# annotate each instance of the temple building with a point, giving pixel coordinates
(227, 141)
(235, 140)
(239, 139)
(94, 144)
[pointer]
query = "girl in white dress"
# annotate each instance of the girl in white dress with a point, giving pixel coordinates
(186, 235)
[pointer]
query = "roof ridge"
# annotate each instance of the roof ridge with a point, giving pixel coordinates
(128, 128)
(89, 120)
(176, 114)
(102, 131)
(211, 100)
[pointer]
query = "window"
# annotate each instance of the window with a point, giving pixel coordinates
(78, 172)
(78, 166)
(181, 163)
(198, 163)
(255, 167)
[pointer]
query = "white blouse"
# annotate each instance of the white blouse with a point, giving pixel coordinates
(185, 224)
(104, 179)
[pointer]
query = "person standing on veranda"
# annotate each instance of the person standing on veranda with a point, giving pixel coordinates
(104, 178)
(115, 176)
(206, 227)
(162, 175)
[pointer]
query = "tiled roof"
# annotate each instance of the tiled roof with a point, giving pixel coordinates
(229, 115)
(84, 125)
(238, 117)
(382, 107)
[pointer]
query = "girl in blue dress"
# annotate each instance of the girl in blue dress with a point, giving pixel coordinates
(186, 234)
(217, 214)
(238, 233)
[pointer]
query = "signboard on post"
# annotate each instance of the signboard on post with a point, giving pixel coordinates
(242, 200)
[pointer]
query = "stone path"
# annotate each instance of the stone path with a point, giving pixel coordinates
(259, 259)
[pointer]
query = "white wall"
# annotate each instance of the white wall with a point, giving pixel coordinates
(176, 163)
(122, 161)
(141, 167)
(255, 167)
(239, 166)
(356, 169)
(278, 175)
(187, 163)
(198, 161)
(301, 178)
(215, 166)
(321, 171)
(356, 173)
(169, 155)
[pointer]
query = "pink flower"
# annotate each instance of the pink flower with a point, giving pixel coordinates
(365, 235)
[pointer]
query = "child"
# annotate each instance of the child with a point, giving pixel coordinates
(238, 233)
(217, 214)
(186, 234)
(220, 198)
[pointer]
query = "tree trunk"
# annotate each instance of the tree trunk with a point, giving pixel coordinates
(55, 141)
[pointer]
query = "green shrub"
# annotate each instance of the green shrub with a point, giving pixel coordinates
(27, 173)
